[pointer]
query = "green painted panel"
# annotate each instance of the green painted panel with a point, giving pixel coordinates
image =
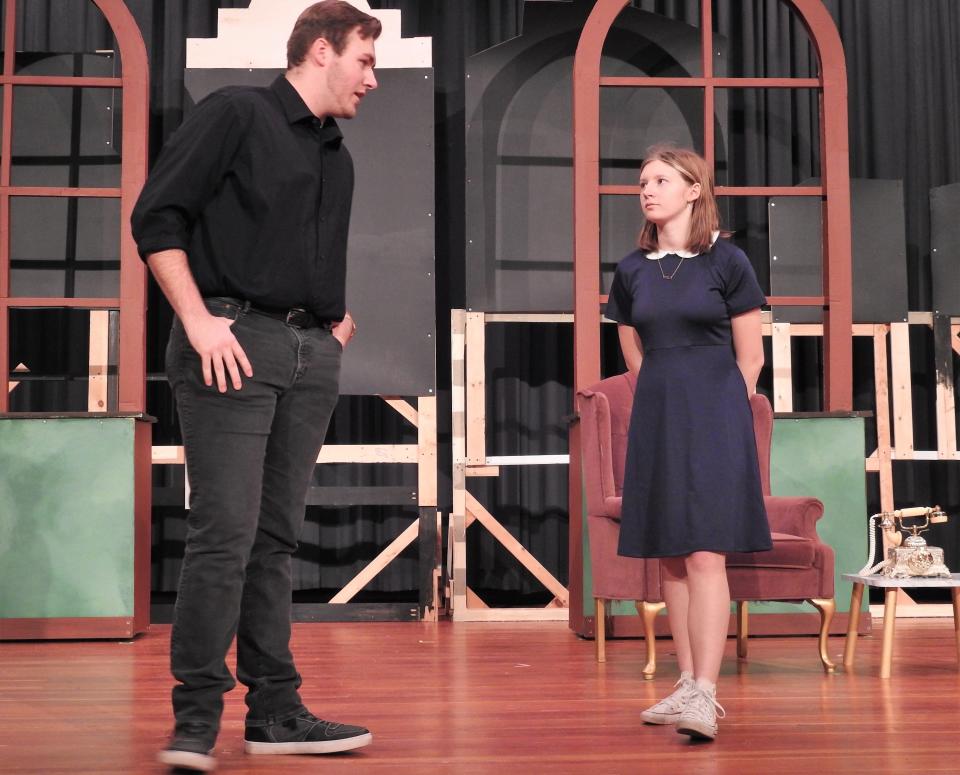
(824, 457)
(818, 456)
(66, 517)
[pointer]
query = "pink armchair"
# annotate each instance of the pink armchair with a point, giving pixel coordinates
(799, 567)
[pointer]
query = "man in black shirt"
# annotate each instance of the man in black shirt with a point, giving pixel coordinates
(243, 222)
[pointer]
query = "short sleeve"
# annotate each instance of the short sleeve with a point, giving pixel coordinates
(741, 291)
(619, 301)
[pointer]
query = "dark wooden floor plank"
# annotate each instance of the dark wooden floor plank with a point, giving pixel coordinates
(502, 698)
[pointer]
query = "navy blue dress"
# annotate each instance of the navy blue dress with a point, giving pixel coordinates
(692, 480)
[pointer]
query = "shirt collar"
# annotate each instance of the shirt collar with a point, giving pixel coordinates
(656, 255)
(296, 110)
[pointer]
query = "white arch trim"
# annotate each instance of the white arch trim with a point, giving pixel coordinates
(256, 37)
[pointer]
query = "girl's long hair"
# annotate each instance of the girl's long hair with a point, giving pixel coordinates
(705, 218)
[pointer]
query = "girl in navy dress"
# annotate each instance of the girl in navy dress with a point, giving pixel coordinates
(688, 307)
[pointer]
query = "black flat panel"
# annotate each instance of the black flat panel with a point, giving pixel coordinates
(945, 248)
(390, 276)
(162, 613)
(361, 496)
(519, 139)
(879, 252)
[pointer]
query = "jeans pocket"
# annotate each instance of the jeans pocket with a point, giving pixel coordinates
(222, 308)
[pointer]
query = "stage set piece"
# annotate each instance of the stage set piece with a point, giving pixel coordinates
(656, 79)
(390, 278)
(62, 194)
(591, 191)
(652, 82)
(519, 195)
(75, 537)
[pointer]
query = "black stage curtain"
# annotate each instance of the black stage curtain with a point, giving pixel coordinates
(903, 85)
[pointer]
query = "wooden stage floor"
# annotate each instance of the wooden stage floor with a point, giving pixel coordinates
(502, 698)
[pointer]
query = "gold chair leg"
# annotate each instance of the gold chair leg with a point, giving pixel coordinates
(743, 627)
(649, 611)
(826, 609)
(601, 629)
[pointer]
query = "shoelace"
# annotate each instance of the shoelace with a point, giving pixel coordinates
(706, 698)
(676, 699)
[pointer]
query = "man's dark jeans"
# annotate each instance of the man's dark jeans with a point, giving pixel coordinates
(250, 457)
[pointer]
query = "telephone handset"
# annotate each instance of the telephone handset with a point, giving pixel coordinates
(908, 557)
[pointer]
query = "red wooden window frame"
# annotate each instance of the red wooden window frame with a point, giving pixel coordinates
(134, 85)
(834, 192)
(835, 189)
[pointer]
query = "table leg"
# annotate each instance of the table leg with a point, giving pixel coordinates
(955, 594)
(853, 623)
(889, 621)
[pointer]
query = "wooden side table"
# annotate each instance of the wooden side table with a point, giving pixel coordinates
(890, 587)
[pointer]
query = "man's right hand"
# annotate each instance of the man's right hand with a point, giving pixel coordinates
(220, 352)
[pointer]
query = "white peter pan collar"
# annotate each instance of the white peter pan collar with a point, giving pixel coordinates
(656, 255)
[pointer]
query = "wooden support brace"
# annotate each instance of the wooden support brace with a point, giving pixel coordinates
(332, 453)
(782, 368)
(483, 471)
(427, 450)
(457, 562)
(901, 389)
(517, 549)
(548, 614)
(474, 600)
(378, 563)
(11, 385)
(368, 453)
(476, 395)
(403, 408)
(882, 390)
(98, 357)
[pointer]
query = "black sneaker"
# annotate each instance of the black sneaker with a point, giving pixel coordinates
(190, 748)
(304, 733)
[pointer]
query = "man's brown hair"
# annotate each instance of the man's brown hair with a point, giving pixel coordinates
(705, 218)
(332, 20)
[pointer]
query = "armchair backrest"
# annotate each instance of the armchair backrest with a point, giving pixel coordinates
(763, 430)
(604, 422)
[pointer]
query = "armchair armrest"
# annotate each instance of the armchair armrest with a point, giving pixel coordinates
(793, 515)
(596, 455)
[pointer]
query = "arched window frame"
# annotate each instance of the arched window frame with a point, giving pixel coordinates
(834, 190)
(131, 303)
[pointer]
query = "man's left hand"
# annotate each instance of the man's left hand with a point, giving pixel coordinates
(345, 330)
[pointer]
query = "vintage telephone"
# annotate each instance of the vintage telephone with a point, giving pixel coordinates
(913, 558)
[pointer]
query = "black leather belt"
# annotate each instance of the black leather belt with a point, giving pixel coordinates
(295, 316)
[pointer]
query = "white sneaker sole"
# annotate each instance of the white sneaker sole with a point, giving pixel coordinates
(187, 760)
(650, 717)
(695, 730)
(329, 746)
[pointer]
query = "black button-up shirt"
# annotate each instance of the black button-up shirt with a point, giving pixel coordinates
(256, 191)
